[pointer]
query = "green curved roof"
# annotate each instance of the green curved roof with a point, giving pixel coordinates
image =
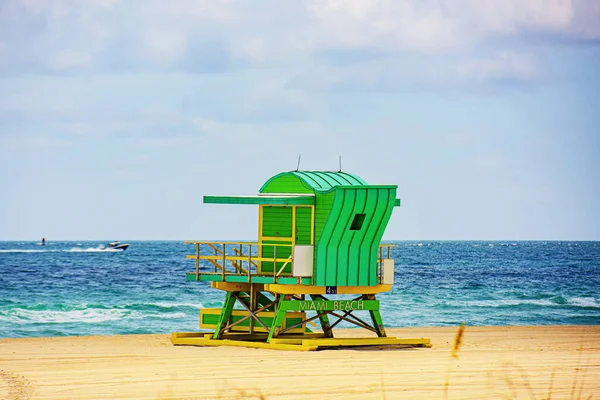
(321, 181)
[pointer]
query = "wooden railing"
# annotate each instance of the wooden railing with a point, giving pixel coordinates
(241, 258)
(387, 246)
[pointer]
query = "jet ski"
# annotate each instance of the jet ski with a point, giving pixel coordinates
(116, 246)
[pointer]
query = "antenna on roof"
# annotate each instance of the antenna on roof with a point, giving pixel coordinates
(340, 163)
(298, 166)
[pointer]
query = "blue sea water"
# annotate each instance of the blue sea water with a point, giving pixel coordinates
(75, 288)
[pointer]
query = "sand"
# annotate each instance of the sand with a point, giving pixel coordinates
(493, 362)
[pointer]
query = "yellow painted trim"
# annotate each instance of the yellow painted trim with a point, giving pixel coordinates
(235, 287)
(235, 258)
(287, 205)
(329, 342)
(260, 238)
(204, 339)
(294, 234)
(306, 289)
(322, 341)
(297, 339)
(260, 222)
(278, 239)
(218, 242)
(312, 225)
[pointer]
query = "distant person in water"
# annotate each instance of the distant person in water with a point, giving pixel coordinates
(43, 241)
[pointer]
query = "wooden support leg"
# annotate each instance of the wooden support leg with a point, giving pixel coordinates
(376, 318)
(278, 318)
(253, 308)
(323, 318)
(225, 315)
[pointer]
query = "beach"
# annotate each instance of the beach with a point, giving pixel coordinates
(558, 362)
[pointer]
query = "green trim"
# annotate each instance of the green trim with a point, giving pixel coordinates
(294, 200)
(225, 315)
(277, 320)
(377, 322)
(329, 305)
(386, 187)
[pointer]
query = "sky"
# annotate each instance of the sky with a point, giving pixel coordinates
(117, 116)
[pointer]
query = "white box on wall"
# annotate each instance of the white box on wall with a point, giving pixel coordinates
(303, 261)
(388, 271)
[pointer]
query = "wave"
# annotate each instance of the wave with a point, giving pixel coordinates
(170, 305)
(585, 302)
(20, 315)
(61, 313)
(509, 302)
(557, 301)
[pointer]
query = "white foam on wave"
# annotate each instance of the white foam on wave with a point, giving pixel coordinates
(508, 302)
(92, 250)
(177, 315)
(584, 302)
(24, 316)
(19, 315)
(570, 301)
(169, 305)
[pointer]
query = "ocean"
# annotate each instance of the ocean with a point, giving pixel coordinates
(76, 288)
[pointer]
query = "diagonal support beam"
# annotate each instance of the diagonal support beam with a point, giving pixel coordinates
(251, 314)
(225, 315)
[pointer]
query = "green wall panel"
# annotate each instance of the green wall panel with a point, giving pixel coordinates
(370, 245)
(277, 221)
(349, 257)
(323, 204)
(303, 220)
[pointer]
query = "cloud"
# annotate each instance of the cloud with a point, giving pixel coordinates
(471, 73)
(351, 45)
(444, 26)
(387, 25)
(153, 34)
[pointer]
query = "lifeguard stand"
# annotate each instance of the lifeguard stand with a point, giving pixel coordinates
(318, 255)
